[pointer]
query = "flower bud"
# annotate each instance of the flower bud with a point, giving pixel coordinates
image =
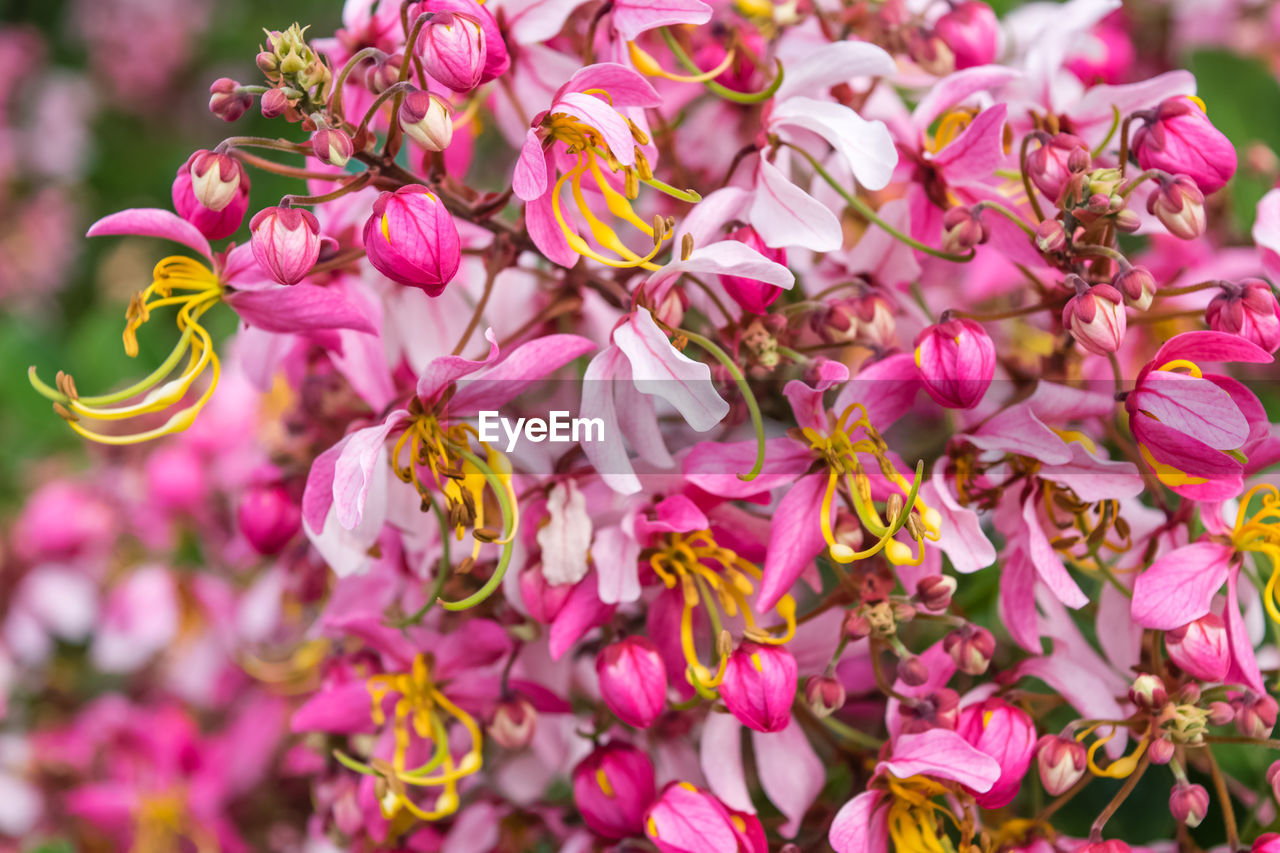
(1096, 319)
(937, 710)
(1249, 310)
(1138, 286)
(1178, 138)
(1061, 761)
(1200, 648)
(542, 599)
(1221, 713)
(1052, 165)
(1273, 779)
(685, 819)
(274, 102)
(211, 191)
(514, 722)
(612, 788)
(972, 32)
(268, 518)
(426, 119)
(1051, 236)
(175, 477)
(286, 242)
(751, 295)
(957, 361)
(759, 685)
(866, 319)
(1268, 843)
(452, 49)
(1148, 692)
(856, 624)
(825, 695)
(226, 101)
(971, 647)
(332, 146)
(934, 592)
(383, 73)
(633, 680)
(913, 672)
(962, 229)
(1188, 803)
(930, 52)
(1161, 751)
(1008, 735)
(1256, 715)
(1179, 205)
(411, 239)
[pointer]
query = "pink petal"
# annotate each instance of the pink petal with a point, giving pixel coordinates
(354, 468)
(978, 151)
(886, 388)
(806, 399)
(943, 754)
(627, 88)
(633, 17)
(566, 536)
(605, 119)
(961, 535)
(340, 709)
(1018, 430)
(530, 179)
(867, 146)
(317, 497)
(608, 457)
(1244, 665)
(152, 222)
(785, 215)
(663, 371)
(545, 232)
(957, 87)
(791, 773)
(1018, 601)
(1094, 479)
(617, 570)
(1192, 406)
(444, 371)
(582, 611)
(861, 825)
(1179, 587)
(726, 257)
(495, 386)
(795, 538)
(299, 309)
(1047, 562)
(721, 759)
(1208, 347)
(832, 64)
(714, 466)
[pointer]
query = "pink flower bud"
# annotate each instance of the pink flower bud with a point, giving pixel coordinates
(1248, 309)
(1138, 286)
(825, 695)
(1106, 54)
(1061, 761)
(1179, 205)
(962, 229)
(759, 685)
(1256, 715)
(1161, 751)
(957, 362)
(971, 647)
(685, 819)
(1221, 713)
(1188, 803)
(286, 242)
(211, 191)
(226, 102)
(1007, 734)
(972, 32)
(937, 710)
(913, 672)
(61, 521)
(1096, 319)
(411, 239)
(425, 119)
(452, 49)
(175, 477)
(514, 722)
(1273, 779)
(1051, 236)
(1178, 138)
(1269, 843)
(1148, 692)
(543, 600)
(612, 788)
(751, 295)
(633, 680)
(866, 319)
(332, 146)
(930, 52)
(1200, 648)
(934, 592)
(856, 624)
(1052, 165)
(268, 518)
(274, 103)
(383, 73)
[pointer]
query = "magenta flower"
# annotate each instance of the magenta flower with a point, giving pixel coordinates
(286, 242)
(633, 680)
(613, 787)
(759, 685)
(1178, 138)
(1201, 647)
(685, 819)
(956, 360)
(1248, 309)
(1008, 735)
(411, 239)
(971, 31)
(211, 192)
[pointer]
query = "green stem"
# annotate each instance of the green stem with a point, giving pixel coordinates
(335, 103)
(712, 86)
(849, 733)
(870, 215)
(1006, 213)
(757, 421)
(133, 390)
(442, 573)
(356, 183)
(1111, 131)
(1026, 179)
(1187, 288)
(508, 522)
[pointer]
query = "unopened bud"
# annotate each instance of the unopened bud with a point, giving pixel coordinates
(274, 103)
(1188, 803)
(856, 625)
(913, 672)
(226, 101)
(1096, 319)
(426, 119)
(513, 724)
(962, 229)
(971, 647)
(1138, 286)
(1161, 751)
(383, 74)
(1179, 205)
(1221, 713)
(934, 592)
(1051, 236)
(332, 146)
(825, 695)
(1061, 761)
(1148, 692)
(1273, 779)
(1256, 715)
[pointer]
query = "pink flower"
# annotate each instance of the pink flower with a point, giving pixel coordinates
(1248, 309)
(286, 242)
(493, 48)
(1267, 843)
(686, 819)
(759, 685)
(411, 239)
(1007, 734)
(957, 360)
(1201, 647)
(452, 49)
(633, 680)
(1188, 803)
(1096, 318)
(972, 32)
(613, 787)
(211, 192)
(1178, 137)
(268, 517)
(1054, 162)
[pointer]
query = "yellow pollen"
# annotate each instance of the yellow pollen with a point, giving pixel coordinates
(603, 781)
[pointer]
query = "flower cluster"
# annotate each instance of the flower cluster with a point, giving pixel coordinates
(700, 426)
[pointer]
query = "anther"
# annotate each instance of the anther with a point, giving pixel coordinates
(724, 644)
(65, 413)
(686, 247)
(465, 567)
(486, 534)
